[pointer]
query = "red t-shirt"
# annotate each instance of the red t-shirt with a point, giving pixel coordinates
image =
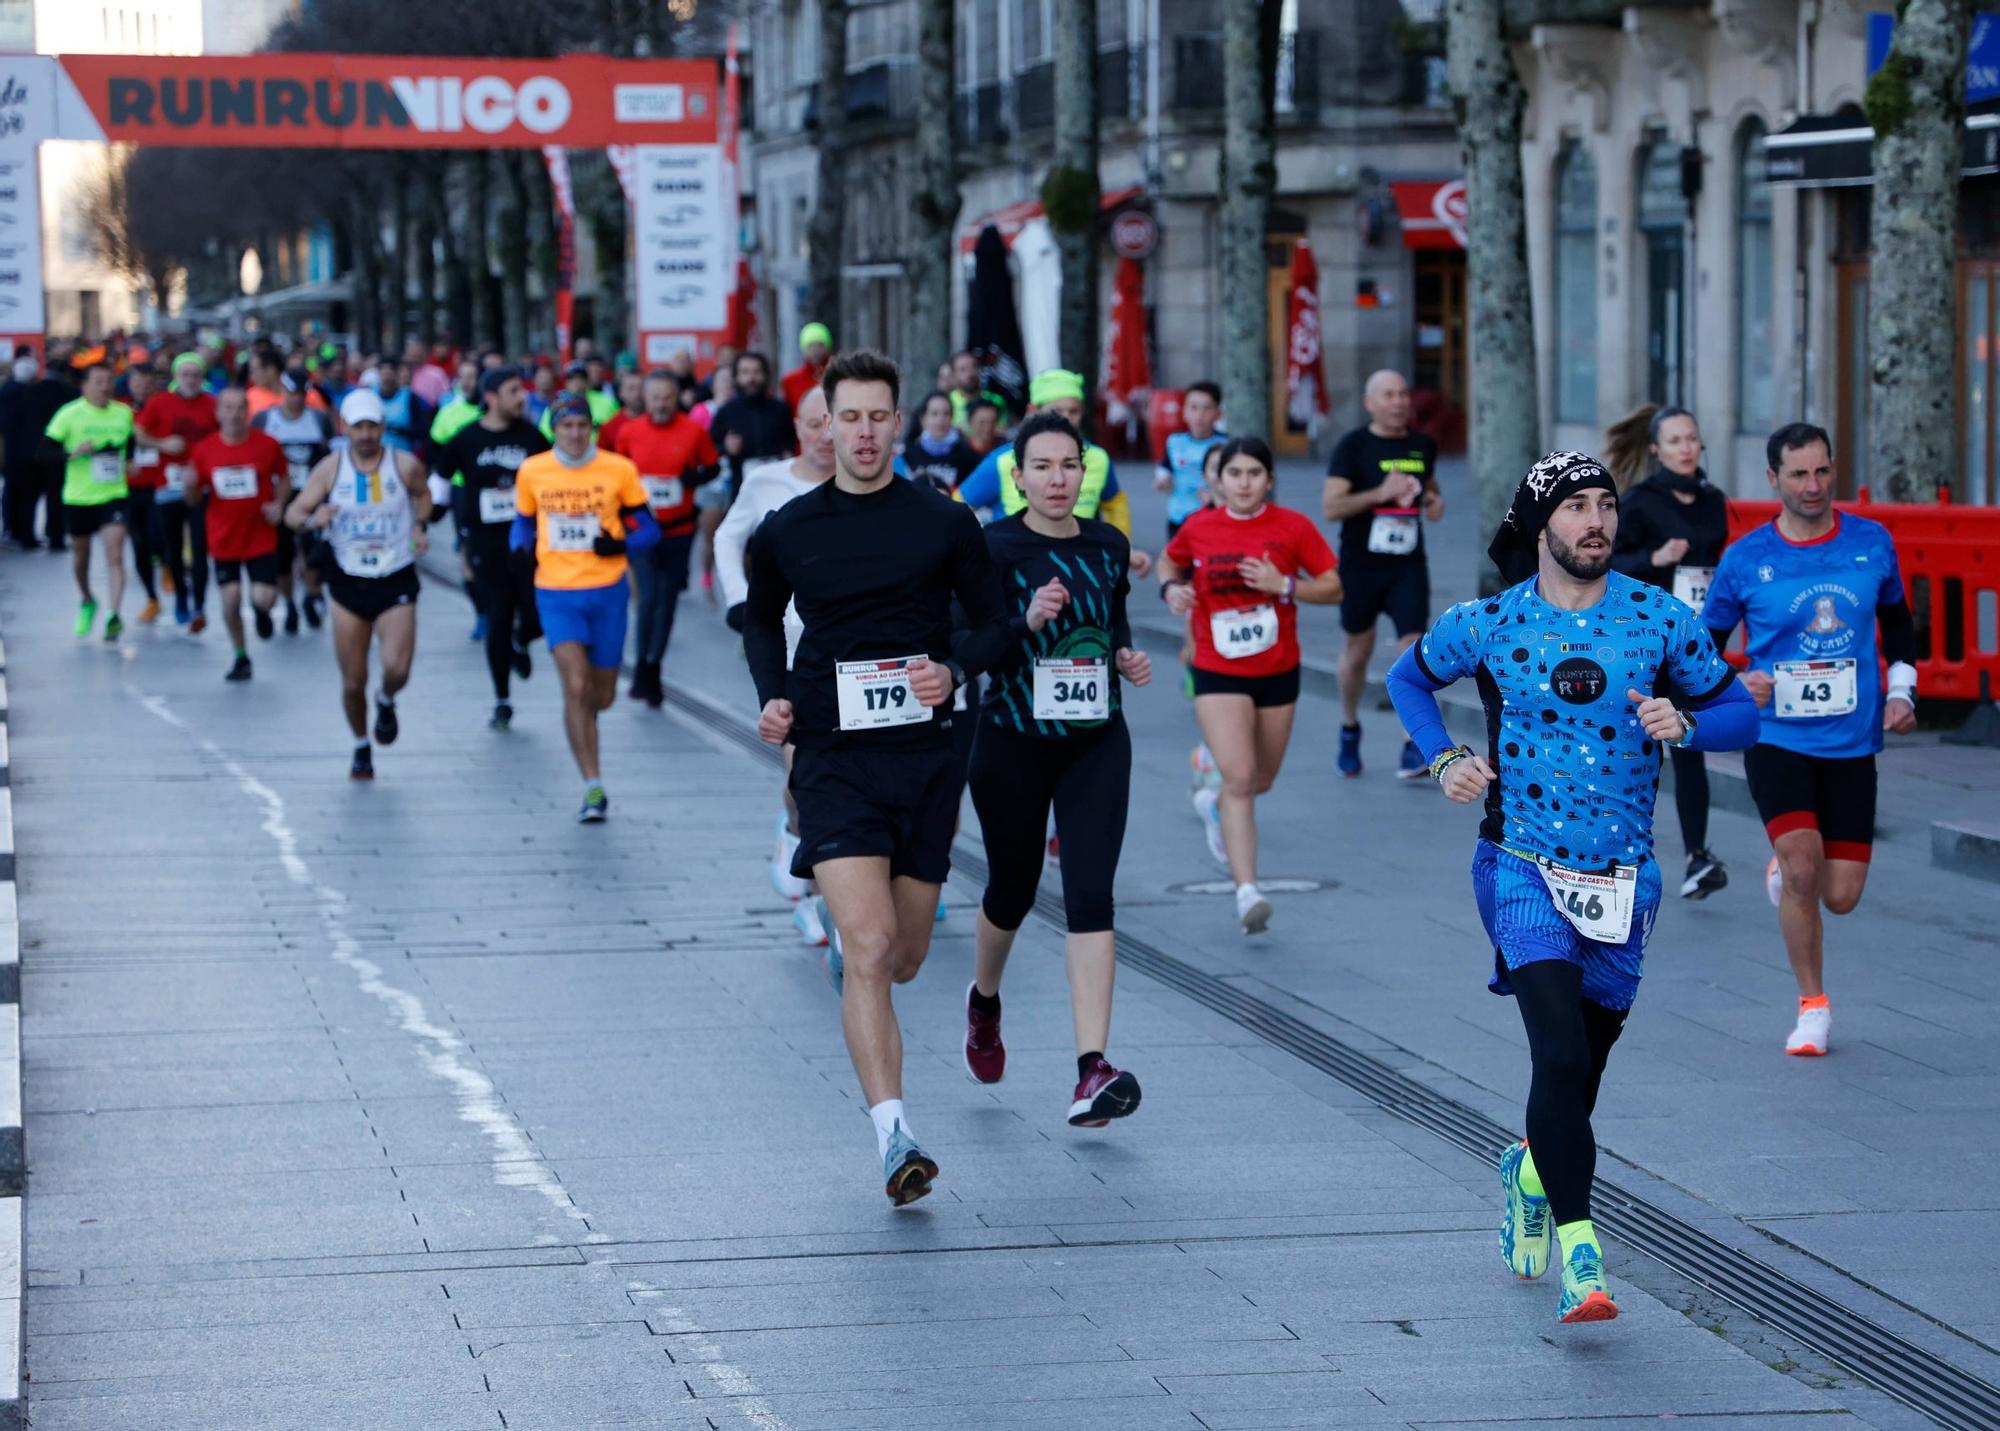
(798, 382)
(607, 435)
(168, 414)
(241, 478)
(1211, 546)
(663, 453)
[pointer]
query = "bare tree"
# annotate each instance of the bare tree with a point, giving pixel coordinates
(1249, 178)
(934, 206)
(1916, 103)
(1488, 101)
(511, 223)
(1070, 189)
(827, 233)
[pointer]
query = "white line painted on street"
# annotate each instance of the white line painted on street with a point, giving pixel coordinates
(731, 1381)
(515, 1161)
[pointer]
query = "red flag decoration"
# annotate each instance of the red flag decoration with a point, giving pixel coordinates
(1126, 369)
(742, 334)
(1305, 375)
(557, 158)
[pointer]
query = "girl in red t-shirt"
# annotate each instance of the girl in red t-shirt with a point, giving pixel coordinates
(1238, 571)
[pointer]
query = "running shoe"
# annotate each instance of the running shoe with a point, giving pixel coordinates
(1410, 764)
(1206, 805)
(1584, 1298)
(1705, 875)
(1052, 853)
(1774, 882)
(1350, 751)
(1524, 1231)
(503, 716)
(985, 1054)
(1253, 909)
(150, 612)
(1202, 764)
(1809, 1034)
(181, 613)
(240, 671)
(787, 884)
(1103, 1094)
(836, 962)
(386, 726)
(596, 805)
(113, 628)
(805, 918)
(198, 623)
(939, 918)
(166, 578)
(264, 624)
(86, 617)
(906, 1168)
(479, 628)
(312, 608)
(291, 619)
(363, 767)
(524, 664)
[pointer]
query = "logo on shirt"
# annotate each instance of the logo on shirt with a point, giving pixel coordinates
(1826, 632)
(1765, 573)
(1825, 619)
(1579, 680)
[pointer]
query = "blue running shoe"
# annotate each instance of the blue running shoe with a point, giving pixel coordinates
(596, 805)
(906, 1168)
(1524, 1231)
(941, 910)
(479, 627)
(1350, 751)
(1583, 1296)
(1410, 765)
(836, 965)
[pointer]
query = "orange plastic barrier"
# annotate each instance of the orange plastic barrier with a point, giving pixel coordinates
(1950, 560)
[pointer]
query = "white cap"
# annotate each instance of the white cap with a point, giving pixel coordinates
(361, 405)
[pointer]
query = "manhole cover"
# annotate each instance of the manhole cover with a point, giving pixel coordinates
(1268, 886)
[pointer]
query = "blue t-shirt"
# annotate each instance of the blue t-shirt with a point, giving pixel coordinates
(1578, 775)
(1182, 461)
(1812, 601)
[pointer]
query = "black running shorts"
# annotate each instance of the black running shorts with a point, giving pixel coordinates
(901, 805)
(1399, 589)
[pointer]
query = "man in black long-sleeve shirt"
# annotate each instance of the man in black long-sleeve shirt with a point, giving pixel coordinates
(873, 563)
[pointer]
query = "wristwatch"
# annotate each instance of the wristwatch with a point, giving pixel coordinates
(1687, 727)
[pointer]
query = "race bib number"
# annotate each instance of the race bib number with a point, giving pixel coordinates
(875, 694)
(1598, 906)
(1393, 533)
(365, 558)
(496, 504)
(107, 467)
(1691, 585)
(664, 491)
(174, 479)
(1072, 690)
(146, 457)
(573, 531)
(1246, 631)
(236, 484)
(1812, 690)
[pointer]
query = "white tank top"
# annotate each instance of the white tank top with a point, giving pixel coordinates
(374, 530)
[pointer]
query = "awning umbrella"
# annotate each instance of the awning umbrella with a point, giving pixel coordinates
(1127, 372)
(1305, 373)
(993, 329)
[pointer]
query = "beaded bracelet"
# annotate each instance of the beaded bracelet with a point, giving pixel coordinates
(1445, 759)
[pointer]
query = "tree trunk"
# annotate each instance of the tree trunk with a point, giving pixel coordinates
(457, 282)
(403, 218)
(611, 312)
(934, 206)
(827, 234)
(429, 174)
(1070, 192)
(1488, 101)
(478, 261)
(512, 228)
(367, 273)
(1249, 178)
(541, 247)
(1916, 102)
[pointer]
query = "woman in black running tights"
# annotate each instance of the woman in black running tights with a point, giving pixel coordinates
(1052, 733)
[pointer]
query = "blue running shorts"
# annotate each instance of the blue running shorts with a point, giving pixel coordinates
(592, 616)
(1522, 921)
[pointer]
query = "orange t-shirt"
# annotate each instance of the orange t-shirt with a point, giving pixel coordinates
(572, 507)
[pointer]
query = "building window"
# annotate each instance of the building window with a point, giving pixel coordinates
(1756, 364)
(1034, 32)
(1576, 285)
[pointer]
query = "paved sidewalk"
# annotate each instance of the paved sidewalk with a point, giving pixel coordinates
(419, 1104)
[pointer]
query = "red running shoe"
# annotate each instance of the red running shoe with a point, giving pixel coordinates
(1104, 1094)
(985, 1055)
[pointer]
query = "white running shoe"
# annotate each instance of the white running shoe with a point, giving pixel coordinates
(782, 879)
(1252, 908)
(812, 930)
(1206, 804)
(1809, 1035)
(1774, 882)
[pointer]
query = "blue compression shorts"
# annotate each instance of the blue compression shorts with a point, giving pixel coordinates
(1522, 921)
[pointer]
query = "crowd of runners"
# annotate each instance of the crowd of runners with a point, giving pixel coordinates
(930, 607)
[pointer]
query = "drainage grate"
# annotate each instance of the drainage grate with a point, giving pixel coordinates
(1920, 1379)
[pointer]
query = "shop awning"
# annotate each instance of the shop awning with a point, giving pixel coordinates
(1432, 212)
(1831, 151)
(1011, 218)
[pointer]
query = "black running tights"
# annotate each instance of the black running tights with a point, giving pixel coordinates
(1087, 778)
(508, 604)
(1569, 1039)
(1691, 796)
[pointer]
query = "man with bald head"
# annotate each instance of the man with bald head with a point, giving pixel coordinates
(1380, 483)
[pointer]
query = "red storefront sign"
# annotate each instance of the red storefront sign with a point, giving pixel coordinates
(1432, 210)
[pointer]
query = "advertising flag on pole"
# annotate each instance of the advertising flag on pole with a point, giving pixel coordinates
(557, 158)
(1305, 374)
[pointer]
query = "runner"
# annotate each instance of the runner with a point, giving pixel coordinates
(92, 434)
(675, 460)
(968, 389)
(462, 408)
(768, 486)
(936, 452)
(1180, 471)
(631, 407)
(1564, 873)
(1052, 734)
(992, 487)
(581, 512)
(815, 348)
(306, 435)
(482, 462)
(145, 475)
(868, 703)
(177, 419)
(1240, 571)
(1672, 528)
(407, 417)
(373, 504)
(577, 383)
(242, 478)
(1380, 478)
(1809, 589)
